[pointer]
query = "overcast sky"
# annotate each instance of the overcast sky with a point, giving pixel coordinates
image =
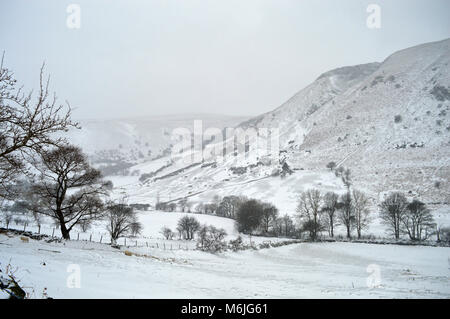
(236, 57)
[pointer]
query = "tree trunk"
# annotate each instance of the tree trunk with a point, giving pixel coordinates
(397, 227)
(65, 233)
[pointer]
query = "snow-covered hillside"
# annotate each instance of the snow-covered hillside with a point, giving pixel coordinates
(388, 122)
(142, 139)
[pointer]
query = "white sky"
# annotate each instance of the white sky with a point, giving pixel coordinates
(237, 57)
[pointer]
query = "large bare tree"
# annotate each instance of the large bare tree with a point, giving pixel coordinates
(28, 124)
(187, 226)
(361, 211)
(418, 222)
(69, 190)
(122, 220)
(330, 207)
(308, 209)
(392, 211)
(269, 215)
(346, 213)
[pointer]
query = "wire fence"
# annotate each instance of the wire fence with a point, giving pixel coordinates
(104, 238)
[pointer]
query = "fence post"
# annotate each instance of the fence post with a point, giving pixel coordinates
(136, 243)
(146, 243)
(157, 245)
(164, 246)
(101, 237)
(170, 246)
(90, 237)
(78, 236)
(179, 246)
(24, 226)
(53, 232)
(125, 241)
(39, 229)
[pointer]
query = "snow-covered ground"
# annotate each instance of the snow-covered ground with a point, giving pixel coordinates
(319, 270)
(174, 269)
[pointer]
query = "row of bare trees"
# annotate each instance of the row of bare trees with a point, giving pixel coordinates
(319, 212)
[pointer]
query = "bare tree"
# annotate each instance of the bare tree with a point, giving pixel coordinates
(121, 219)
(269, 215)
(27, 126)
(7, 218)
(69, 189)
(330, 207)
(308, 209)
(392, 211)
(287, 225)
(229, 206)
(226, 207)
(418, 222)
(167, 233)
(346, 214)
(210, 208)
(360, 204)
(136, 228)
(187, 226)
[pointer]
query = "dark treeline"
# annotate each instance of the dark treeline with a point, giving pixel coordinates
(318, 214)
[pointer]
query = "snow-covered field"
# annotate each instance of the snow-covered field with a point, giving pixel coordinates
(319, 270)
(174, 269)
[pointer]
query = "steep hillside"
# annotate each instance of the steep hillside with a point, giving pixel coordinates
(388, 122)
(392, 128)
(118, 144)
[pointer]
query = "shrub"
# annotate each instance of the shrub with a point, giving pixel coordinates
(236, 244)
(445, 235)
(211, 239)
